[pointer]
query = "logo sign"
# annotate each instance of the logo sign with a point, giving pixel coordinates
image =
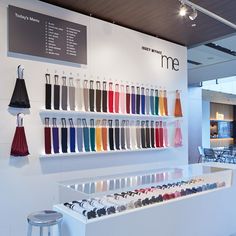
(166, 61)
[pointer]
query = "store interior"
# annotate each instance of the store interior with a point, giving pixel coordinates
(118, 117)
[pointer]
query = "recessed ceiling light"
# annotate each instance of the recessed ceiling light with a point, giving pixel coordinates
(194, 25)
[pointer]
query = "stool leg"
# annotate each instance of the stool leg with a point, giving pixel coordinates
(41, 231)
(49, 231)
(29, 230)
(59, 229)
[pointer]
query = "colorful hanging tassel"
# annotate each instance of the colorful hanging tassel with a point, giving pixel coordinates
(19, 145)
(178, 108)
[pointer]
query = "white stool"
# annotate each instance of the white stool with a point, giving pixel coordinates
(43, 219)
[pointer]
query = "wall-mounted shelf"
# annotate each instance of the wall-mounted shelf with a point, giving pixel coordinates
(222, 120)
(63, 113)
(215, 139)
(83, 154)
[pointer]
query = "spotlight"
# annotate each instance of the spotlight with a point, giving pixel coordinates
(182, 10)
(193, 15)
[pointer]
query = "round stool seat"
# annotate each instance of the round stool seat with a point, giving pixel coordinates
(45, 218)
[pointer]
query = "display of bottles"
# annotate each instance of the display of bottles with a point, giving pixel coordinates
(107, 135)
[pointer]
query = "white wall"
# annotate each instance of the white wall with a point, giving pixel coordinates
(194, 122)
(205, 124)
(30, 184)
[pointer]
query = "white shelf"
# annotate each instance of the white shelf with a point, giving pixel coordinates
(81, 154)
(71, 114)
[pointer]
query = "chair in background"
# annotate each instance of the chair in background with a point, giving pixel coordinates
(201, 154)
(209, 155)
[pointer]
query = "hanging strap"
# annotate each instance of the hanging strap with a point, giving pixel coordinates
(64, 94)
(48, 92)
(64, 136)
(55, 135)
(19, 120)
(56, 93)
(71, 94)
(47, 137)
(72, 135)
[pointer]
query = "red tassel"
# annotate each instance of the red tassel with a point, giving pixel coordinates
(19, 145)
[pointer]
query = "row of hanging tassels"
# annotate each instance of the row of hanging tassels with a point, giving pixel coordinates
(20, 100)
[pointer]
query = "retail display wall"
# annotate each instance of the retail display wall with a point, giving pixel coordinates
(114, 54)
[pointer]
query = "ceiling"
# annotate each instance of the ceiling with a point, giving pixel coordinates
(218, 97)
(212, 63)
(159, 17)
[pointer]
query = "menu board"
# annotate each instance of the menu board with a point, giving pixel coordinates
(41, 35)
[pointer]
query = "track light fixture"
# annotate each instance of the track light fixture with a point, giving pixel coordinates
(193, 15)
(208, 13)
(182, 10)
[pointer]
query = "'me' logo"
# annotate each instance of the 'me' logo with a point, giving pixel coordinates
(169, 63)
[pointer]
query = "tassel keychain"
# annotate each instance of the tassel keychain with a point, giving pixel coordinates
(165, 132)
(86, 95)
(86, 135)
(72, 135)
(152, 135)
(111, 135)
(157, 102)
(92, 135)
(55, 136)
(133, 138)
(48, 92)
(148, 144)
(117, 98)
(147, 98)
(47, 137)
(79, 136)
(122, 99)
(122, 134)
(127, 135)
(98, 96)
(152, 108)
(79, 96)
(165, 103)
(157, 134)
(104, 135)
(138, 100)
(127, 99)
(20, 97)
(98, 136)
(161, 135)
(111, 99)
(178, 135)
(117, 134)
(143, 136)
(142, 101)
(161, 103)
(178, 108)
(91, 96)
(132, 99)
(56, 93)
(64, 94)
(71, 94)
(64, 136)
(19, 145)
(104, 96)
(138, 134)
